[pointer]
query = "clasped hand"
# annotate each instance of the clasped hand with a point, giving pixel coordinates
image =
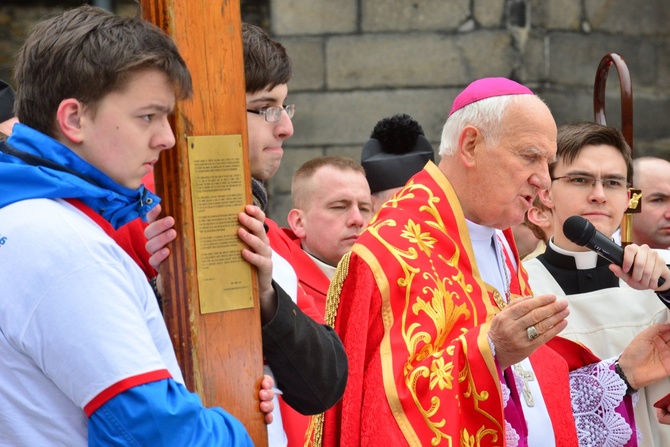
(509, 329)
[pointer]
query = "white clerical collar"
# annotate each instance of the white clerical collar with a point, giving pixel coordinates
(487, 246)
(328, 270)
(584, 260)
(479, 232)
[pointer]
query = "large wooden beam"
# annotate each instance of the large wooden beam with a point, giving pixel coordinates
(219, 350)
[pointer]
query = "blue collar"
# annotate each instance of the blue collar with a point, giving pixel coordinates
(34, 165)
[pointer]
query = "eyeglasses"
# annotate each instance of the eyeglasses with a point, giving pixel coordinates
(586, 181)
(273, 114)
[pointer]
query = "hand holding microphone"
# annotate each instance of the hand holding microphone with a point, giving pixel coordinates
(582, 232)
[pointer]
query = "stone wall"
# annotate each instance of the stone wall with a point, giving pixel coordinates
(357, 61)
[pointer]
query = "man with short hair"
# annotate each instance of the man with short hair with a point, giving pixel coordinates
(86, 357)
(652, 225)
(590, 179)
(331, 200)
(331, 206)
(446, 343)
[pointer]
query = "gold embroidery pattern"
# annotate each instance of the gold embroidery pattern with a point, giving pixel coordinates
(441, 303)
(314, 434)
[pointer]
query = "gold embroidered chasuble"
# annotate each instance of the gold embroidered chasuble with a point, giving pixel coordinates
(430, 352)
(427, 338)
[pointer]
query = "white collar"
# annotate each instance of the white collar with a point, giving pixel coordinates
(489, 256)
(327, 269)
(584, 260)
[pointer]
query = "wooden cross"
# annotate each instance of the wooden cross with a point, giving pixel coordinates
(218, 346)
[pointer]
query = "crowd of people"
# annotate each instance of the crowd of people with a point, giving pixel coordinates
(399, 307)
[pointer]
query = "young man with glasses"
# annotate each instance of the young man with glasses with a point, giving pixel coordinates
(590, 179)
(307, 358)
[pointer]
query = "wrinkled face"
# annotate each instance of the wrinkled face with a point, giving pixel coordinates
(337, 210)
(652, 225)
(506, 177)
(129, 128)
(266, 139)
(600, 205)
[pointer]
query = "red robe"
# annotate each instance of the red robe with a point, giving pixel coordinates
(413, 315)
(314, 282)
(312, 289)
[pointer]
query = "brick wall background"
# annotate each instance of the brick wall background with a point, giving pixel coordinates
(357, 61)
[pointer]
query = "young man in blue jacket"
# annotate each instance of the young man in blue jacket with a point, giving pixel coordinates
(86, 357)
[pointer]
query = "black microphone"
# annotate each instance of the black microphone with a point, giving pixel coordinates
(582, 232)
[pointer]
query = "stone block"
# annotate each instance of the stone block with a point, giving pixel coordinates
(335, 119)
(489, 13)
(533, 67)
(486, 53)
(650, 116)
(293, 158)
(568, 104)
(574, 58)
(633, 18)
(556, 14)
(417, 15)
(299, 17)
(663, 77)
(278, 207)
(307, 57)
(417, 60)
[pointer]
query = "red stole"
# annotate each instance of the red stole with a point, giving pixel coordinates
(314, 282)
(296, 424)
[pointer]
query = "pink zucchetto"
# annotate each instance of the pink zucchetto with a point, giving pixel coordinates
(488, 88)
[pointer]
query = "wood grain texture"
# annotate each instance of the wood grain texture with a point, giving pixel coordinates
(220, 353)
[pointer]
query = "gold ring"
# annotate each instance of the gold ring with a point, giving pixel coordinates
(532, 333)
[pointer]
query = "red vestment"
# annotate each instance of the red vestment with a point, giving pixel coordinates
(314, 282)
(311, 299)
(413, 315)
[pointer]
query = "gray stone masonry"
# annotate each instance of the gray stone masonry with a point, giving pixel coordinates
(357, 61)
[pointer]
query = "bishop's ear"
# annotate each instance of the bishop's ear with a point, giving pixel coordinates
(69, 118)
(468, 141)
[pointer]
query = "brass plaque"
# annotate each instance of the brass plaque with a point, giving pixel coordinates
(216, 165)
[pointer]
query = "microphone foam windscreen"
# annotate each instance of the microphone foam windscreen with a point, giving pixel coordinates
(578, 230)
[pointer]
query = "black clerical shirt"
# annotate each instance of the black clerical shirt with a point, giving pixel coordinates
(573, 281)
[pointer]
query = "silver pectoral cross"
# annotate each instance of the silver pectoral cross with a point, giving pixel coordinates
(526, 376)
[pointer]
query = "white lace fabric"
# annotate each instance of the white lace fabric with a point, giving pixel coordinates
(596, 392)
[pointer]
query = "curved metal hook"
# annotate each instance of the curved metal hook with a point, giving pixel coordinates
(626, 94)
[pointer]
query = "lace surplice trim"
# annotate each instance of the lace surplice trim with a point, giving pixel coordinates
(596, 392)
(511, 436)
